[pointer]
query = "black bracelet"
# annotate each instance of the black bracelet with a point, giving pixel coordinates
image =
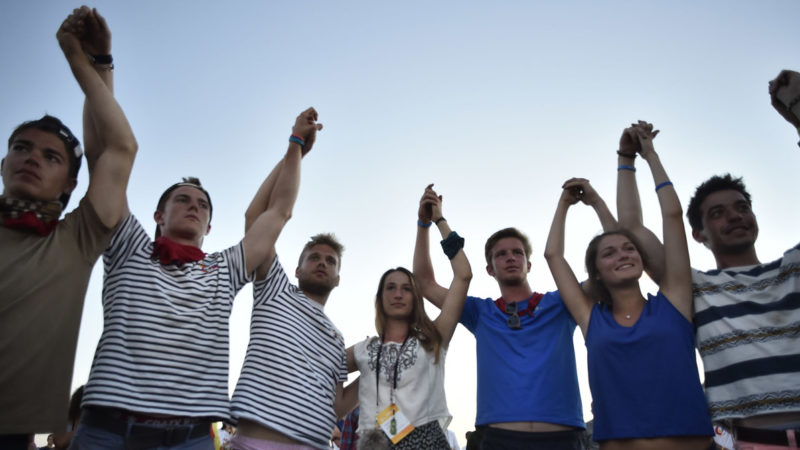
(452, 244)
(627, 155)
(101, 59)
(439, 220)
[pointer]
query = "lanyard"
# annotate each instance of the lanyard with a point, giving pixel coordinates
(378, 371)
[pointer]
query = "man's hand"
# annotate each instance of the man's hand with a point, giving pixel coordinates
(644, 133)
(784, 92)
(96, 39)
(425, 214)
(628, 143)
(70, 32)
(575, 189)
(306, 127)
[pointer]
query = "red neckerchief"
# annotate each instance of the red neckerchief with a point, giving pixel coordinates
(533, 302)
(169, 252)
(29, 221)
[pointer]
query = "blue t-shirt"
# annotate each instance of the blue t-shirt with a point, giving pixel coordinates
(644, 378)
(525, 375)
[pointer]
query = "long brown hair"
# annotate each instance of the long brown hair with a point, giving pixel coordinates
(419, 324)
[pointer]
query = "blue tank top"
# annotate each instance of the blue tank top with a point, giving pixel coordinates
(644, 378)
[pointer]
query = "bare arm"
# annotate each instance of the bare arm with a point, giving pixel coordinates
(277, 198)
(576, 301)
(629, 208)
(96, 41)
(112, 165)
(454, 299)
(346, 398)
(677, 281)
(423, 268)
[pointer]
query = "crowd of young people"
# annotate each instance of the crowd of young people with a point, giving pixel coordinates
(154, 384)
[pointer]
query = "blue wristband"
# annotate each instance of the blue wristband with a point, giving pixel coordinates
(424, 225)
(297, 140)
(660, 185)
(624, 167)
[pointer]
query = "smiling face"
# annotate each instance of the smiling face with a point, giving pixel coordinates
(509, 263)
(185, 216)
(37, 167)
(729, 225)
(617, 260)
(318, 272)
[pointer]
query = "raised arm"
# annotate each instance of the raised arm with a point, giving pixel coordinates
(577, 302)
(113, 147)
(676, 283)
(784, 91)
(629, 207)
(272, 205)
(453, 247)
(423, 268)
(96, 43)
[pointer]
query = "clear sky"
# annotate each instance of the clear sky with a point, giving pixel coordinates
(496, 102)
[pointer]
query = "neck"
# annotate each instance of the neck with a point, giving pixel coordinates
(186, 240)
(319, 298)
(627, 298)
(395, 330)
(515, 293)
(744, 258)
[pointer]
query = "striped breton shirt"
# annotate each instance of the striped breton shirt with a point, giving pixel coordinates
(161, 324)
(748, 333)
(294, 361)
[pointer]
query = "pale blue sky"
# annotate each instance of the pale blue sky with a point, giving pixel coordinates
(496, 102)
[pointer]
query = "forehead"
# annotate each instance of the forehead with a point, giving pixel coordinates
(322, 249)
(613, 240)
(721, 198)
(508, 243)
(41, 138)
(190, 192)
(398, 277)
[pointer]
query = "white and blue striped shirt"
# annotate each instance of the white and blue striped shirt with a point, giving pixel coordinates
(295, 359)
(163, 326)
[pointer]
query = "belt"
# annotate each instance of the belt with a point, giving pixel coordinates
(141, 435)
(762, 436)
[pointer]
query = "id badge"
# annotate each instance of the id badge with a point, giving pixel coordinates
(394, 423)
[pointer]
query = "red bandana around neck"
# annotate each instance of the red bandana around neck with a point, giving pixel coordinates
(533, 302)
(28, 221)
(40, 217)
(170, 252)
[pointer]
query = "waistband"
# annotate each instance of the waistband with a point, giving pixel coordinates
(160, 431)
(762, 436)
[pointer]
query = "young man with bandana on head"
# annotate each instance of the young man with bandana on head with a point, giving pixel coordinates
(46, 261)
(746, 313)
(528, 396)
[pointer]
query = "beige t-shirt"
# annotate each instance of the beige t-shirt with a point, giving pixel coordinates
(43, 282)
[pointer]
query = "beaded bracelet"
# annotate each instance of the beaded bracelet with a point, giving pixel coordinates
(661, 185)
(424, 225)
(624, 167)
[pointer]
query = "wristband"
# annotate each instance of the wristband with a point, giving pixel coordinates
(452, 244)
(101, 59)
(297, 140)
(424, 225)
(661, 185)
(627, 155)
(439, 220)
(624, 167)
